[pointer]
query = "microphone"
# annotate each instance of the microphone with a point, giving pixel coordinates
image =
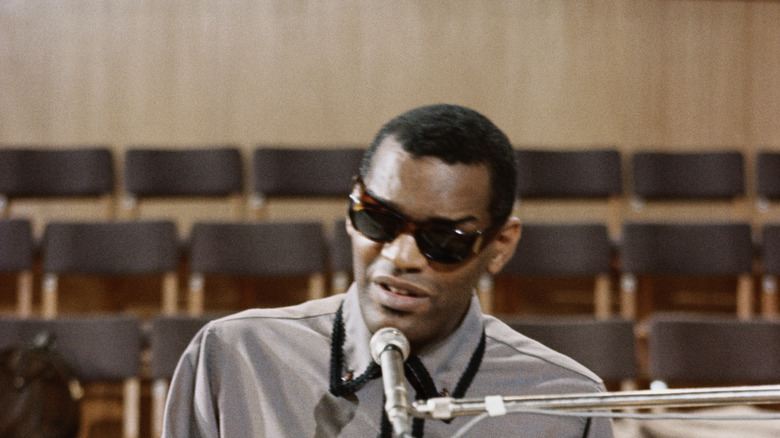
(390, 348)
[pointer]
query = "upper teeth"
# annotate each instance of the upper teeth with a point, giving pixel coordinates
(395, 290)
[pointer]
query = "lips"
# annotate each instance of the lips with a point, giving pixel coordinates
(398, 291)
(399, 295)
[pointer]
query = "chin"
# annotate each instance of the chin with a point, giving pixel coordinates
(381, 317)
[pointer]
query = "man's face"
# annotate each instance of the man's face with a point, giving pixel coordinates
(397, 285)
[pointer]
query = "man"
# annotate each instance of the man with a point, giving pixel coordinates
(429, 215)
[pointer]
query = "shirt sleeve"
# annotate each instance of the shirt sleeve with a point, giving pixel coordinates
(190, 409)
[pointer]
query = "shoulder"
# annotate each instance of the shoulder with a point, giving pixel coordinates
(513, 347)
(309, 309)
(312, 317)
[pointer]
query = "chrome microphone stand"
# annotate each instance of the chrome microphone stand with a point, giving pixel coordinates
(601, 404)
(443, 408)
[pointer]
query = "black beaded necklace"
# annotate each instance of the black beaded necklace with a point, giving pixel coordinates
(416, 374)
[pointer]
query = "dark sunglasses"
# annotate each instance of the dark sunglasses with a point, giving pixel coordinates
(436, 241)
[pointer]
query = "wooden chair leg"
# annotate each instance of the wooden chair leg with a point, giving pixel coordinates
(340, 282)
(485, 293)
(256, 206)
(238, 206)
(316, 286)
(628, 298)
(628, 385)
(24, 296)
(109, 206)
(195, 297)
(745, 300)
(602, 297)
(49, 298)
(769, 300)
(132, 408)
(170, 294)
(129, 207)
(159, 394)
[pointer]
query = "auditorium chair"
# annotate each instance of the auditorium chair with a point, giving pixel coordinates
(687, 186)
(687, 351)
(605, 346)
(61, 173)
(712, 350)
(693, 251)
(110, 250)
(17, 249)
(168, 338)
(207, 178)
(306, 173)
(549, 251)
(767, 186)
(552, 180)
(769, 265)
(100, 349)
(284, 249)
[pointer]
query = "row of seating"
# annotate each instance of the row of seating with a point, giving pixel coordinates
(687, 350)
(682, 349)
(152, 248)
(647, 250)
(220, 171)
(148, 172)
(305, 249)
(650, 175)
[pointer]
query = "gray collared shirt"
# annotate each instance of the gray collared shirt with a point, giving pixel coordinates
(265, 373)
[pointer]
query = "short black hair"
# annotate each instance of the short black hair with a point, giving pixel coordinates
(456, 135)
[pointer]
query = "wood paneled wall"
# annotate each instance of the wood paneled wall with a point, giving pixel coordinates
(632, 73)
(666, 74)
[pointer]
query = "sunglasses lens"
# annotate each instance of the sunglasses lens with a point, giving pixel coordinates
(374, 224)
(443, 245)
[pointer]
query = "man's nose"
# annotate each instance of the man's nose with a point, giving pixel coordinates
(404, 253)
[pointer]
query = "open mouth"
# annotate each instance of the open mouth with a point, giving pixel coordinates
(398, 297)
(398, 290)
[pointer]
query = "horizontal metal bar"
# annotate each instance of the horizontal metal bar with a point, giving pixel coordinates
(448, 407)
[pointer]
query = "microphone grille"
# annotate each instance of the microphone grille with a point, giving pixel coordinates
(386, 337)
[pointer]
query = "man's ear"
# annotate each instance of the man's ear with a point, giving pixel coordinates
(504, 245)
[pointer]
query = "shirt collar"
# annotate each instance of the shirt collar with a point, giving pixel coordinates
(445, 361)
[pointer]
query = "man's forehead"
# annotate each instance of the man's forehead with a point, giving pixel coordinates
(427, 186)
(386, 160)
